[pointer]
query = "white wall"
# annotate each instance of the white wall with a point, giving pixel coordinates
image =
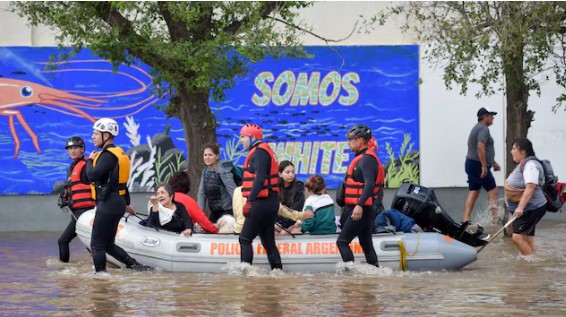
(15, 32)
(445, 117)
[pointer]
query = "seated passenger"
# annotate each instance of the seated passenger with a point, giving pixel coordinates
(394, 220)
(181, 185)
(291, 193)
(238, 202)
(225, 224)
(319, 202)
(168, 214)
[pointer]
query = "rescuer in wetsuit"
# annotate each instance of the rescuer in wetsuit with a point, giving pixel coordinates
(77, 194)
(363, 195)
(109, 170)
(260, 186)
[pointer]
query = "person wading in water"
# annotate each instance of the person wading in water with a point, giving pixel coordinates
(363, 195)
(260, 186)
(109, 171)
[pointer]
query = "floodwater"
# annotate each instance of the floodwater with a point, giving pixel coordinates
(34, 283)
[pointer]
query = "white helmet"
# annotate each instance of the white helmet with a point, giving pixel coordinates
(106, 125)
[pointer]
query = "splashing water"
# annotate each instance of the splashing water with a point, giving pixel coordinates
(357, 269)
(483, 215)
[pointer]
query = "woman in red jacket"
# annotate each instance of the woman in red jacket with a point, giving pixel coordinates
(181, 185)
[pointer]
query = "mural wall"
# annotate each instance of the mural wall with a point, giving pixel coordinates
(303, 105)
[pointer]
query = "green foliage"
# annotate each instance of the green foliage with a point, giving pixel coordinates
(189, 44)
(233, 151)
(402, 169)
(494, 44)
(165, 167)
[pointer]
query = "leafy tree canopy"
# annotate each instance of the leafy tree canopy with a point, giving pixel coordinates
(189, 44)
(482, 42)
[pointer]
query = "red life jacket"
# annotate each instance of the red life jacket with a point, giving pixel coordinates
(80, 195)
(353, 190)
(271, 181)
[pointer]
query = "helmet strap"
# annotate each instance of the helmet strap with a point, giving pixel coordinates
(104, 142)
(254, 141)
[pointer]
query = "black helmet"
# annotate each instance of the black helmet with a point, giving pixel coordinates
(74, 141)
(359, 131)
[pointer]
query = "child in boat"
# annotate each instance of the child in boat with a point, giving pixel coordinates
(319, 202)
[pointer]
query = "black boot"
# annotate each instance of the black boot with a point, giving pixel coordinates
(64, 252)
(136, 266)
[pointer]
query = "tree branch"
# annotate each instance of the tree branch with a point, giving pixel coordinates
(125, 30)
(177, 29)
(267, 8)
(326, 40)
(459, 7)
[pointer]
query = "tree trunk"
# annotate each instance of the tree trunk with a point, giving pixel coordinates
(518, 118)
(200, 129)
(517, 93)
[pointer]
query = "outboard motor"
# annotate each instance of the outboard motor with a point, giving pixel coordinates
(421, 204)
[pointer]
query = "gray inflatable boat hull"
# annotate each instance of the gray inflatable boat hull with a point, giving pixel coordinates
(210, 253)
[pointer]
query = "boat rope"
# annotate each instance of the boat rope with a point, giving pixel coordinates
(403, 253)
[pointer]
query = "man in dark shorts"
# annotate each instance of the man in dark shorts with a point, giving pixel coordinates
(479, 161)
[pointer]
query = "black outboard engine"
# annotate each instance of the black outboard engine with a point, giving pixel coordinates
(421, 204)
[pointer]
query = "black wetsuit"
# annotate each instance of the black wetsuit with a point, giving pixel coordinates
(70, 232)
(108, 212)
(366, 172)
(179, 222)
(261, 219)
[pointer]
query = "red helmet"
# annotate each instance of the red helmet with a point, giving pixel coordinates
(252, 130)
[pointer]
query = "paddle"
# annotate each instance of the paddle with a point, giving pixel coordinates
(146, 222)
(67, 209)
(498, 232)
(282, 228)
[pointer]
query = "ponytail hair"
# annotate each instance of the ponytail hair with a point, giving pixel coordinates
(316, 185)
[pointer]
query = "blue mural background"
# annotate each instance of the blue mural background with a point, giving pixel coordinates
(377, 86)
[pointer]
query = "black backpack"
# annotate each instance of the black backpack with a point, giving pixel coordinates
(550, 185)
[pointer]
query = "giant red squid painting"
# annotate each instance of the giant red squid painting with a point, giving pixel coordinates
(40, 107)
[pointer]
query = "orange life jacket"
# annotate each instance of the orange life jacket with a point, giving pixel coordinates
(271, 181)
(80, 195)
(123, 169)
(353, 190)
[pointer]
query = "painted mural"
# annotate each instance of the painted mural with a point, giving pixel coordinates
(303, 105)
